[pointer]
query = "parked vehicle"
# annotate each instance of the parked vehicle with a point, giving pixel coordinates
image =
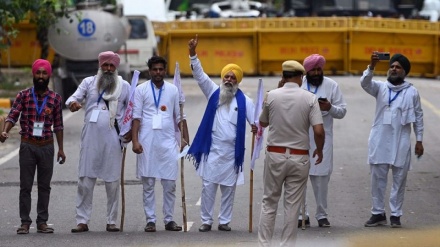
(236, 8)
(92, 29)
(140, 45)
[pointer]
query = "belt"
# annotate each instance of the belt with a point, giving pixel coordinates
(37, 142)
(282, 150)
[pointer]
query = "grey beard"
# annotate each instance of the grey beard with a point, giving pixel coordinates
(227, 94)
(395, 79)
(107, 81)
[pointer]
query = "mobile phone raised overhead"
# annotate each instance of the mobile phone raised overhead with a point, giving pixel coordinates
(383, 55)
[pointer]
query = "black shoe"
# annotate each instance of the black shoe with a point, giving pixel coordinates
(300, 222)
(172, 226)
(150, 227)
(323, 222)
(395, 222)
(376, 219)
(205, 228)
(224, 227)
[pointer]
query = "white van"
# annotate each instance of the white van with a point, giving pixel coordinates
(141, 44)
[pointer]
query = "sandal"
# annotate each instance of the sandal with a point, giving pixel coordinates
(43, 228)
(23, 229)
(150, 227)
(172, 226)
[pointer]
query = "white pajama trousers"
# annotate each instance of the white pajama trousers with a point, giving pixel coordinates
(379, 176)
(84, 200)
(320, 190)
(209, 191)
(169, 198)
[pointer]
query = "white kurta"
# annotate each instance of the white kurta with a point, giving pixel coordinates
(328, 89)
(160, 156)
(100, 150)
(219, 167)
(390, 143)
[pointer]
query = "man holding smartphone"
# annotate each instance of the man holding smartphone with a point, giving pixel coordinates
(332, 105)
(389, 145)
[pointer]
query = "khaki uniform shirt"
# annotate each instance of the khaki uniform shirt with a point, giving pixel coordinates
(290, 111)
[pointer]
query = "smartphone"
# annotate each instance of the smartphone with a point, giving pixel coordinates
(384, 55)
(322, 99)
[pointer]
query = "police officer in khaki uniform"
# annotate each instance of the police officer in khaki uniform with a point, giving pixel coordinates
(289, 111)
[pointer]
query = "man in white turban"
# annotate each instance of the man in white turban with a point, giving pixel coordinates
(106, 97)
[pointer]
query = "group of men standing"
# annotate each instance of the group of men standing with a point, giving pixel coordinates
(299, 115)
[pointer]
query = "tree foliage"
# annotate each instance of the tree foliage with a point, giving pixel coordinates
(42, 12)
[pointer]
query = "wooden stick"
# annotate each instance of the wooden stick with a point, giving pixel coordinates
(182, 166)
(122, 190)
(303, 209)
(251, 186)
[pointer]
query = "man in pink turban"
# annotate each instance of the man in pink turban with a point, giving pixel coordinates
(219, 145)
(106, 97)
(332, 106)
(109, 57)
(40, 113)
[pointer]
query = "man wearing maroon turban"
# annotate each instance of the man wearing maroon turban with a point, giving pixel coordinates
(332, 106)
(398, 107)
(106, 97)
(39, 109)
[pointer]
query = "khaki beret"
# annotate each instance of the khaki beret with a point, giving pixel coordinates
(292, 65)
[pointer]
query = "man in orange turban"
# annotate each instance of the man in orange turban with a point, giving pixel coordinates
(218, 147)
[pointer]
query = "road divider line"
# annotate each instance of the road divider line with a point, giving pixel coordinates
(15, 152)
(430, 106)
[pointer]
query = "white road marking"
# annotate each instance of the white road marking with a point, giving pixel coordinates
(15, 152)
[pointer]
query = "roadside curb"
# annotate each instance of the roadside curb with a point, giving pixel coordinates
(6, 103)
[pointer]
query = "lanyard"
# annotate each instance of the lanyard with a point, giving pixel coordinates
(39, 110)
(156, 101)
(308, 88)
(100, 97)
(392, 99)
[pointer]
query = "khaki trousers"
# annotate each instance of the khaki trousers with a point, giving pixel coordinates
(290, 171)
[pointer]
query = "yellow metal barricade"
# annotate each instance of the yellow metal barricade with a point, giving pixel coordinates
(281, 39)
(161, 32)
(221, 41)
(416, 39)
(24, 49)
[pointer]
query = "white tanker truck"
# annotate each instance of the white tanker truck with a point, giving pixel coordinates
(91, 29)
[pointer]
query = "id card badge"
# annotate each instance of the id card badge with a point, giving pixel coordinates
(157, 121)
(38, 129)
(387, 116)
(94, 116)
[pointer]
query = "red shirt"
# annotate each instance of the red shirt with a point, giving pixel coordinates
(51, 114)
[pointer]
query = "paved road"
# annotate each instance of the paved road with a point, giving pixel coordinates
(349, 202)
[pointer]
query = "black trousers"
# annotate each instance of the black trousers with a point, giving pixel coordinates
(35, 158)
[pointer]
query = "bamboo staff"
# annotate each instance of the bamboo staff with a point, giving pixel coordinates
(182, 180)
(251, 186)
(303, 209)
(122, 190)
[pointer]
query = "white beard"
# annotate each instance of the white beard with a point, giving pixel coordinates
(227, 94)
(107, 81)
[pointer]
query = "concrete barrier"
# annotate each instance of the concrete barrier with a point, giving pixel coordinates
(416, 39)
